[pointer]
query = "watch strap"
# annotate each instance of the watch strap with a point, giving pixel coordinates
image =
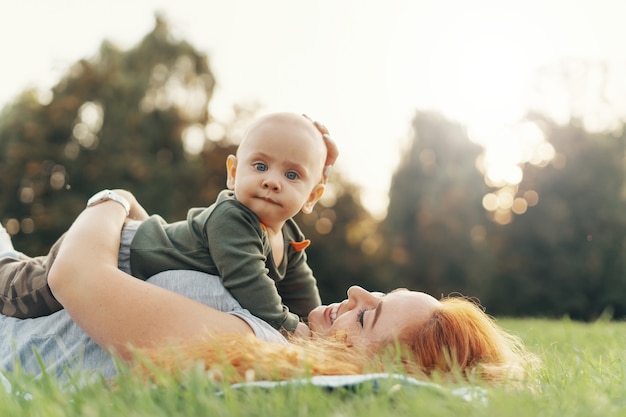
(106, 195)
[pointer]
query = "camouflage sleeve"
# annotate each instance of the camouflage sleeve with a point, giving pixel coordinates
(24, 290)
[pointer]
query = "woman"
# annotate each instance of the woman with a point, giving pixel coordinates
(122, 314)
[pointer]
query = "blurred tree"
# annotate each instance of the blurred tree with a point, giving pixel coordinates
(436, 226)
(138, 120)
(131, 119)
(567, 255)
(564, 254)
(345, 242)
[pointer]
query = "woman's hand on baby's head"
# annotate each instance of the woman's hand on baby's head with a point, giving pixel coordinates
(332, 152)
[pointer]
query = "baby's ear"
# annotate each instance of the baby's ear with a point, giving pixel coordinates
(316, 194)
(231, 171)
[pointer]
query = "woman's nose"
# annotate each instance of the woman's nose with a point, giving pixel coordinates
(357, 295)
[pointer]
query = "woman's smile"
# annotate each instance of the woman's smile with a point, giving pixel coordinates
(331, 313)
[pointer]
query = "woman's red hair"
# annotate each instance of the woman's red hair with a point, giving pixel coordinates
(460, 338)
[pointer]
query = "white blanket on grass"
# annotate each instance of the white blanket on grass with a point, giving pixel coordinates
(374, 382)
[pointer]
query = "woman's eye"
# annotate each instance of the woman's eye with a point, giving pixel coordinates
(260, 166)
(360, 315)
(291, 175)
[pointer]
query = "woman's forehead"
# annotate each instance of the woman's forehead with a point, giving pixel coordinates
(416, 297)
(398, 311)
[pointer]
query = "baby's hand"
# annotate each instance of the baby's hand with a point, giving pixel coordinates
(302, 330)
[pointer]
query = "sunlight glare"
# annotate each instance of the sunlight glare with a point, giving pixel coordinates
(193, 139)
(508, 148)
(483, 64)
(487, 80)
(531, 197)
(519, 206)
(481, 75)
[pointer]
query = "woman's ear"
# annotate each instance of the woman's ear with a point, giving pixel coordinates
(231, 171)
(316, 194)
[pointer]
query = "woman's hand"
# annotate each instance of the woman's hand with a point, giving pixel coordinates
(115, 309)
(332, 152)
(137, 212)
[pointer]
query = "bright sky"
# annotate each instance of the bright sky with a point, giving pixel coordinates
(361, 67)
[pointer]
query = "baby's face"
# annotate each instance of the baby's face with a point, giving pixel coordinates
(279, 168)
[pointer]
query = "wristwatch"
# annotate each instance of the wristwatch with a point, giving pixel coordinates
(106, 195)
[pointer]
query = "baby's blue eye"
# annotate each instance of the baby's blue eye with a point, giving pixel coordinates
(291, 175)
(260, 166)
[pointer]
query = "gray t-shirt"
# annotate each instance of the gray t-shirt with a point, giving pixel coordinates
(210, 291)
(62, 345)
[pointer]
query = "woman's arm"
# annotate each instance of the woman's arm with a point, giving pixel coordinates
(115, 309)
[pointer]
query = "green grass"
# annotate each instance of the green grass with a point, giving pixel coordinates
(583, 374)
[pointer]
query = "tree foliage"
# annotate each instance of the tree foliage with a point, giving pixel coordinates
(345, 242)
(435, 219)
(567, 255)
(564, 256)
(138, 120)
(123, 119)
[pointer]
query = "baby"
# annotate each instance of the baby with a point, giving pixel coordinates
(247, 237)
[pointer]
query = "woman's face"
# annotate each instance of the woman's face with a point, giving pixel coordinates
(372, 317)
